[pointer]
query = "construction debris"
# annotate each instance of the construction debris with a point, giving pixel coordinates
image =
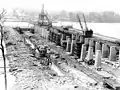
(29, 72)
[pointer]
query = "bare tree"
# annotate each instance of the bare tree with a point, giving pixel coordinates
(2, 14)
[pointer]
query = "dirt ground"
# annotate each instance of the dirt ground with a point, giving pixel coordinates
(31, 75)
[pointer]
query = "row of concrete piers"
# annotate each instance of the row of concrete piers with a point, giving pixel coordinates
(84, 48)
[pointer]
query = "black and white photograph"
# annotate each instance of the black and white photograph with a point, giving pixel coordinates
(59, 44)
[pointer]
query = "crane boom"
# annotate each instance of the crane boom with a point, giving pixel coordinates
(79, 21)
(86, 28)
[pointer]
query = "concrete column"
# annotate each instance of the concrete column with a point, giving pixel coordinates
(63, 37)
(83, 52)
(119, 56)
(105, 51)
(68, 48)
(63, 41)
(86, 41)
(98, 57)
(81, 39)
(58, 39)
(54, 37)
(113, 51)
(45, 33)
(41, 32)
(91, 43)
(77, 37)
(37, 30)
(90, 54)
(73, 37)
(97, 46)
(73, 44)
(72, 47)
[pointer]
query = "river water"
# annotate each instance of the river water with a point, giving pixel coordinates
(107, 29)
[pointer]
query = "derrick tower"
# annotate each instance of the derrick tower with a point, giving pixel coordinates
(43, 19)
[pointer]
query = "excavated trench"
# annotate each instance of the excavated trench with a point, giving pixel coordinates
(32, 75)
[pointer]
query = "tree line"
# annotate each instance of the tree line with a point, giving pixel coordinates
(100, 17)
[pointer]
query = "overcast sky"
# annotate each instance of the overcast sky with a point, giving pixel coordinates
(68, 5)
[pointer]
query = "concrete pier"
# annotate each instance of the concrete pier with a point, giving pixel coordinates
(86, 41)
(90, 54)
(81, 39)
(97, 46)
(72, 47)
(42, 32)
(45, 33)
(119, 57)
(63, 41)
(91, 43)
(98, 57)
(58, 39)
(105, 51)
(113, 51)
(83, 52)
(73, 44)
(68, 48)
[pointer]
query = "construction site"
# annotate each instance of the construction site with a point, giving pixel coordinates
(48, 57)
